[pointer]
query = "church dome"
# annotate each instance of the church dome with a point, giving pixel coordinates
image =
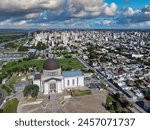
(51, 64)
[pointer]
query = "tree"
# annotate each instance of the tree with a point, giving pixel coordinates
(116, 96)
(124, 103)
(92, 51)
(147, 95)
(41, 46)
(31, 90)
(1, 110)
(115, 104)
(109, 103)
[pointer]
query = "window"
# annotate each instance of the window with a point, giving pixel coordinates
(73, 82)
(68, 82)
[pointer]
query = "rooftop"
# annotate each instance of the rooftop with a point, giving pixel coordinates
(72, 73)
(37, 77)
(51, 64)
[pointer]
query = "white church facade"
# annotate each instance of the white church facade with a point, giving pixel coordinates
(54, 80)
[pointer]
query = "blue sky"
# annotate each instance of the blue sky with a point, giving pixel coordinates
(91, 14)
(135, 4)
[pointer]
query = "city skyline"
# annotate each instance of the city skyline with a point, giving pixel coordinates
(85, 14)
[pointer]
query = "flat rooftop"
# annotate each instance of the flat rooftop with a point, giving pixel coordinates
(72, 73)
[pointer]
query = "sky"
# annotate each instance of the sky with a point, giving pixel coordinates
(84, 14)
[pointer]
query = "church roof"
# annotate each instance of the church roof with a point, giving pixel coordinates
(37, 76)
(51, 64)
(72, 73)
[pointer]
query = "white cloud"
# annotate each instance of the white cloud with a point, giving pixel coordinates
(55, 9)
(32, 15)
(29, 4)
(141, 24)
(147, 13)
(5, 22)
(130, 12)
(44, 11)
(21, 23)
(110, 10)
(85, 8)
(10, 24)
(135, 18)
(106, 22)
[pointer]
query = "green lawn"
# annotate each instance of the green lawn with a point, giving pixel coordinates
(37, 65)
(103, 86)
(13, 80)
(71, 63)
(110, 99)
(11, 106)
(19, 65)
(9, 38)
(8, 90)
(13, 45)
(81, 93)
(66, 64)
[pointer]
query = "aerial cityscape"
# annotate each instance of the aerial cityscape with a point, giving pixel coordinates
(60, 56)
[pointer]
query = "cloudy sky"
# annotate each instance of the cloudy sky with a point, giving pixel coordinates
(75, 14)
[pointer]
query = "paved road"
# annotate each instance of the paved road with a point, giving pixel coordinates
(109, 83)
(4, 95)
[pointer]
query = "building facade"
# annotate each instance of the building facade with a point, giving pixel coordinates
(54, 80)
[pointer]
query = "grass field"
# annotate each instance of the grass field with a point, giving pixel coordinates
(67, 63)
(12, 65)
(71, 63)
(81, 93)
(9, 38)
(110, 99)
(11, 106)
(14, 79)
(13, 45)
(8, 90)
(103, 86)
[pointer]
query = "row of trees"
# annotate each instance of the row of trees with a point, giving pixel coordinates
(40, 46)
(116, 103)
(147, 94)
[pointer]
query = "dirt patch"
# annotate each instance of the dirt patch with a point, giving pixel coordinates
(86, 104)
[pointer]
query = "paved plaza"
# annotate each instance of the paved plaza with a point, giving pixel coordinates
(56, 103)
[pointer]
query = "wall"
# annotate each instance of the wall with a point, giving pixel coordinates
(78, 82)
(37, 82)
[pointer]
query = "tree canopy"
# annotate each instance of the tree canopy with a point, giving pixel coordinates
(147, 95)
(31, 90)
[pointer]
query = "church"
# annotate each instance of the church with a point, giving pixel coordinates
(53, 79)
